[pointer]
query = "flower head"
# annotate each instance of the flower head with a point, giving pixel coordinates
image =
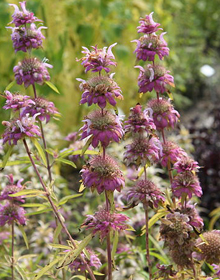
(186, 183)
(139, 121)
(145, 191)
(150, 45)
(154, 77)
(142, 151)
(24, 16)
(16, 101)
(103, 222)
(104, 127)
(102, 173)
(41, 107)
(100, 90)
(30, 71)
(148, 25)
(171, 153)
(12, 188)
(26, 38)
(194, 219)
(10, 212)
(19, 128)
(164, 115)
(186, 163)
(98, 59)
(208, 247)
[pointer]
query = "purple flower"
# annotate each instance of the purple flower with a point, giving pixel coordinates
(103, 126)
(98, 59)
(22, 17)
(93, 261)
(171, 153)
(186, 183)
(148, 25)
(102, 174)
(30, 71)
(154, 77)
(19, 128)
(186, 163)
(100, 90)
(41, 107)
(149, 45)
(12, 188)
(142, 151)
(145, 191)
(71, 137)
(10, 212)
(139, 121)
(4, 235)
(164, 115)
(103, 222)
(194, 219)
(26, 38)
(16, 101)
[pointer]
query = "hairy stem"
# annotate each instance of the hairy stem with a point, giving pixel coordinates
(35, 92)
(109, 256)
(12, 250)
(55, 210)
(147, 241)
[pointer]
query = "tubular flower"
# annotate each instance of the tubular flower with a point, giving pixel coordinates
(26, 38)
(149, 45)
(12, 188)
(79, 265)
(103, 126)
(208, 247)
(16, 101)
(164, 114)
(41, 107)
(30, 71)
(11, 212)
(145, 191)
(22, 17)
(142, 151)
(139, 121)
(98, 59)
(186, 163)
(186, 183)
(100, 90)
(171, 153)
(154, 77)
(103, 222)
(19, 128)
(148, 25)
(102, 174)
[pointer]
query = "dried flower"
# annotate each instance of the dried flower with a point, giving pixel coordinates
(149, 45)
(16, 101)
(30, 71)
(164, 115)
(24, 16)
(186, 183)
(100, 90)
(194, 219)
(103, 222)
(26, 38)
(139, 121)
(208, 247)
(145, 191)
(154, 77)
(10, 212)
(148, 25)
(98, 59)
(104, 127)
(12, 188)
(102, 173)
(20, 128)
(171, 153)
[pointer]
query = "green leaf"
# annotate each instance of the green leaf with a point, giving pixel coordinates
(115, 245)
(52, 86)
(81, 277)
(68, 197)
(40, 150)
(158, 256)
(15, 162)
(66, 161)
(60, 246)
(82, 188)
(89, 141)
(57, 232)
(24, 192)
(46, 268)
(9, 86)
(21, 272)
(39, 212)
(32, 205)
(24, 236)
(6, 157)
(161, 213)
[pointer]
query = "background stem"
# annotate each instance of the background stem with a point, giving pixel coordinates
(12, 250)
(147, 241)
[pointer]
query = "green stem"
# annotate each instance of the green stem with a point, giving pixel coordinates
(147, 241)
(109, 255)
(12, 250)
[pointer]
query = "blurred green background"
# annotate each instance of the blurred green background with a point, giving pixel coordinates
(193, 36)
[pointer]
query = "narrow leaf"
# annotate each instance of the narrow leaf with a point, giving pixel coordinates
(24, 236)
(21, 272)
(32, 205)
(15, 162)
(9, 86)
(81, 277)
(57, 232)
(68, 197)
(89, 141)
(46, 268)
(115, 245)
(40, 150)
(38, 212)
(6, 157)
(24, 192)
(52, 86)
(82, 188)
(60, 246)
(66, 161)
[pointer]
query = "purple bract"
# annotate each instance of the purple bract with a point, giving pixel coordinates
(148, 25)
(171, 153)
(16, 101)
(10, 212)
